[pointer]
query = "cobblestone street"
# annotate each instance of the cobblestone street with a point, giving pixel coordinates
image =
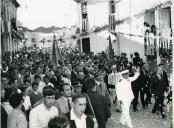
(141, 119)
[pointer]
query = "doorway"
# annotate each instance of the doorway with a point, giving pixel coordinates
(86, 45)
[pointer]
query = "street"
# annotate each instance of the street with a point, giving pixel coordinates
(143, 118)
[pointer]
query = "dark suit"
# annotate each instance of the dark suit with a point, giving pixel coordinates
(100, 107)
(73, 76)
(136, 86)
(89, 122)
(158, 87)
(165, 77)
(54, 81)
(145, 90)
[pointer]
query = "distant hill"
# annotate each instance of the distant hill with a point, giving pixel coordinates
(24, 29)
(46, 30)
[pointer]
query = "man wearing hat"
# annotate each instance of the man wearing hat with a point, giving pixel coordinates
(125, 95)
(77, 87)
(96, 104)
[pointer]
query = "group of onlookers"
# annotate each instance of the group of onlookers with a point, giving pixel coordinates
(38, 94)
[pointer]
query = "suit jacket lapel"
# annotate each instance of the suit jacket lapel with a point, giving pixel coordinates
(72, 124)
(89, 122)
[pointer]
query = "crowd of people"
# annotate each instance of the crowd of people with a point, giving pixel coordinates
(37, 94)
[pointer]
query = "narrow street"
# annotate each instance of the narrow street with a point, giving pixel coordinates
(74, 58)
(141, 119)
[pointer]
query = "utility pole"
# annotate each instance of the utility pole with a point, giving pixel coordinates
(172, 24)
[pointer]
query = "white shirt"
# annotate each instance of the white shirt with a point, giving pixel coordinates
(27, 102)
(41, 86)
(40, 116)
(8, 108)
(80, 123)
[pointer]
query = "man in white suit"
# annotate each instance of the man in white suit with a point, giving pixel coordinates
(125, 95)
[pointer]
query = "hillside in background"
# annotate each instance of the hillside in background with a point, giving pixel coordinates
(46, 30)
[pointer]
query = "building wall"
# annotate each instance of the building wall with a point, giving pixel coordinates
(130, 44)
(98, 14)
(8, 11)
(98, 43)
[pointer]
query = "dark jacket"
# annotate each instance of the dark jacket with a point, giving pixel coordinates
(100, 107)
(138, 83)
(73, 76)
(54, 81)
(145, 79)
(165, 77)
(3, 118)
(89, 122)
(158, 86)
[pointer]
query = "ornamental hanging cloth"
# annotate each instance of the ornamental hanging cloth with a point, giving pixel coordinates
(8, 26)
(2, 26)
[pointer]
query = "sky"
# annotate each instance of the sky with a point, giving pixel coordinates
(63, 13)
(46, 13)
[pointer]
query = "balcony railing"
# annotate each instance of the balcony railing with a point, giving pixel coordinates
(84, 25)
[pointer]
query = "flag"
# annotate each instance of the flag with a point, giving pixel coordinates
(55, 54)
(110, 53)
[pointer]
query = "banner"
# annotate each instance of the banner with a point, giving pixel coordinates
(110, 53)
(55, 54)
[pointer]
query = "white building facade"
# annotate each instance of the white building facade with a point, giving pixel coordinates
(145, 29)
(93, 14)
